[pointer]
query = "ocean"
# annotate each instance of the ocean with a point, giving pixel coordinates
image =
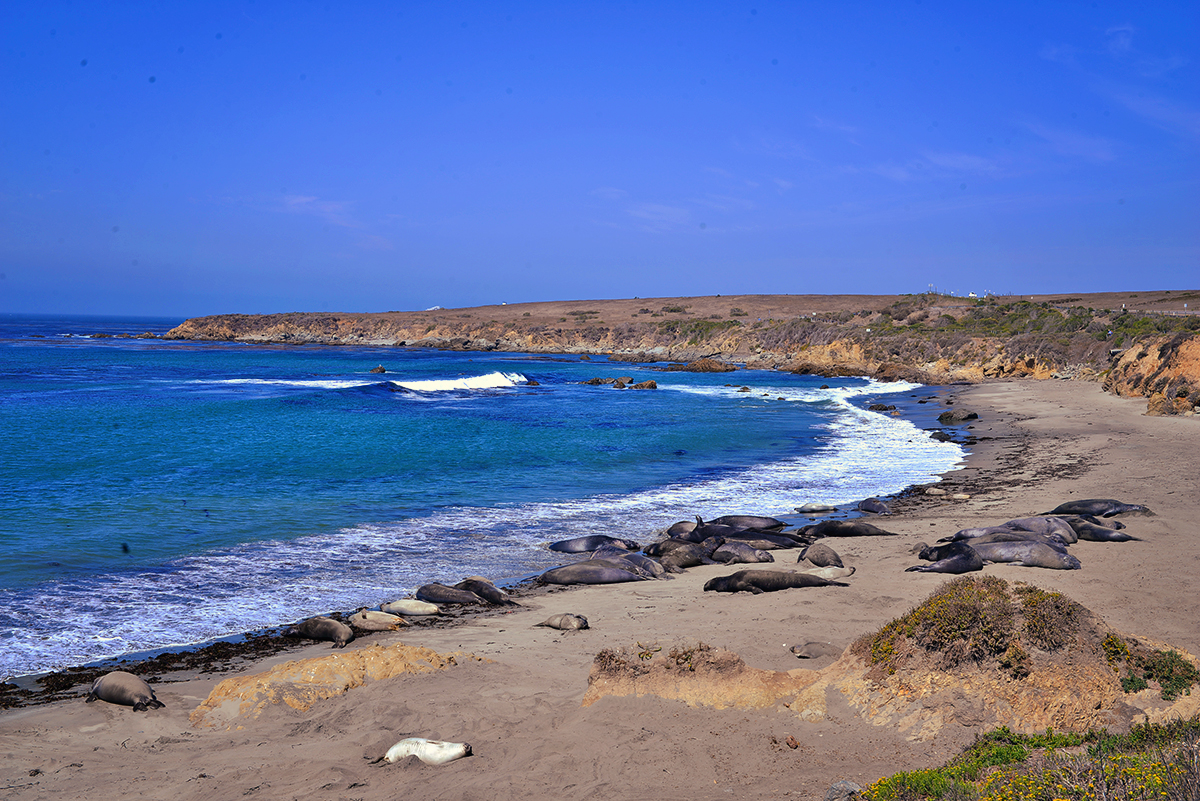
(157, 493)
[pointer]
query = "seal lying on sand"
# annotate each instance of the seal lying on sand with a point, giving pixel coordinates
(367, 620)
(644, 563)
(322, 628)
(760, 581)
(441, 594)
(410, 607)
(844, 528)
(874, 506)
(829, 572)
(586, 544)
(814, 649)
(733, 552)
(954, 557)
(821, 555)
(754, 522)
(1101, 507)
(431, 752)
(1029, 554)
(126, 689)
(486, 590)
(1043, 525)
(564, 622)
(600, 571)
(1093, 532)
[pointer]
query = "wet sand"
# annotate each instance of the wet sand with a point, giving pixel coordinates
(1039, 444)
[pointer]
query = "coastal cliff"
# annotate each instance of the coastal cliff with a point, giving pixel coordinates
(1151, 338)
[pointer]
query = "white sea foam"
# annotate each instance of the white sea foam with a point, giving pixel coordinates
(488, 381)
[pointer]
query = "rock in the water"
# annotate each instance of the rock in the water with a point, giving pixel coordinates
(646, 385)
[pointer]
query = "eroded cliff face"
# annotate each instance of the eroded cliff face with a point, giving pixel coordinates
(1164, 369)
(911, 339)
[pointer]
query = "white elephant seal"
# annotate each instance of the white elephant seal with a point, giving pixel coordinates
(564, 622)
(410, 607)
(431, 752)
(829, 572)
(815, 649)
(368, 620)
(816, 508)
(126, 689)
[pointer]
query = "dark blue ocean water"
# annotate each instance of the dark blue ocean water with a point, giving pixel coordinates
(165, 492)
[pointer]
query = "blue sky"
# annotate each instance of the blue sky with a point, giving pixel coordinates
(182, 159)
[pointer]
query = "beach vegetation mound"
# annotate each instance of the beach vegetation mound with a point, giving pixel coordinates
(979, 651)
(1150, 761)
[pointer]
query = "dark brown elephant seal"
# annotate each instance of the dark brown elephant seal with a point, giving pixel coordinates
(586, 544)
(487, 591)
(734, 552)
(322, 628)
(1094, 532)
(755, 522)
(1100, 507)
(844, 528)
(821, 555)
(645, 563)
(693, 556)
(953, 557)
(125, 689)
(436, 593)
(564, 622)
(760, 581)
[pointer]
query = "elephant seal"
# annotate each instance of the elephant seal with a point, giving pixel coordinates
(322, 628)
(564, 622)
(1100, 507)
(441, 594)
(366, 620)
(954, 557)
(760, 581)
(645, 563)
(1093, 532)
(816, 508)
(1027, 554)
(844, 528)
(486, 590)
(820, 555)
(755, 522)
(814, 649)
(589, 572)
(663, 547)
(736, 553)
(126, 689)
(587, 544)
(694, 556)
(766, 541)
(681, 528)
(410, 607)
(874, 506)
(829, 572)
(431, 752)
(1043, 525)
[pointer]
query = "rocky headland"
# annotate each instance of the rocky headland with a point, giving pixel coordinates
(1144, 344)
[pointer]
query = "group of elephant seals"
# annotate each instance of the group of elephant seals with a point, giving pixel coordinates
(564, 622)
(1100, 507)
(322, 628)
(760, 581)
(587, 544)
(126, 689)
(431, 752)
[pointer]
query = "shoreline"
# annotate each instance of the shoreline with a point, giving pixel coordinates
(1038, 444)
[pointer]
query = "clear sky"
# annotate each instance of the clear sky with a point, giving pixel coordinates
(188, 158)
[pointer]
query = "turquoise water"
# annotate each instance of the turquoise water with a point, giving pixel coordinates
(173, 492)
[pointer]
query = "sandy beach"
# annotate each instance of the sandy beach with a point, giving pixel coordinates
(519, 703)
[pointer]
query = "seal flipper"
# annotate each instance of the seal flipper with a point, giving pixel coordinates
(91, 697)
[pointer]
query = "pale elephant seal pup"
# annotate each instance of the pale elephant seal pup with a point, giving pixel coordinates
(1100, 507)
(874, 506)
(322, 628)
(367, 620)
(410, 607)
(126, 689)
(760, 581)
(589, 572)
(486, 590)
(441, 594)
(821, 555)
(564, 622)
(431, 752)
(815, 650)
(740, 553)
(829, 572)
(586, 544)
(954, 557)
(816, 508)
(754, 522)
